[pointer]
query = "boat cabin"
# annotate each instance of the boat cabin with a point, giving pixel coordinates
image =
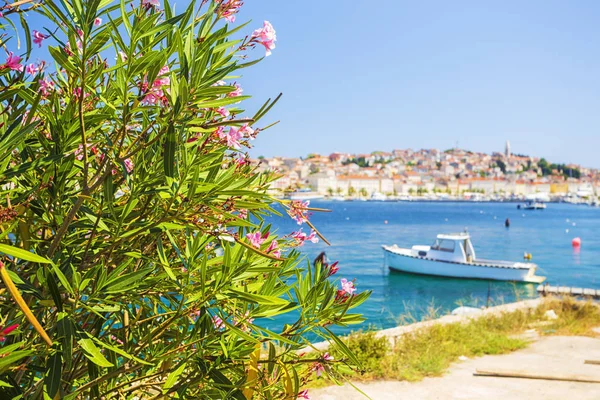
(455, 247)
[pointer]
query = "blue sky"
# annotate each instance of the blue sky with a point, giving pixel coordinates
(364, 76)
(361, 76)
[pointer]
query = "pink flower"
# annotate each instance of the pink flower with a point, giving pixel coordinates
(327, 357)
(299, 211)
(237, 92)
(303, 395)
(151, 99)
(319, 368)
(223, 111)
(232, 136)
(302, 237)
(155, 94)
(228, 9)
(128, 165)
(218, 322)
(162, 79)
(242, 213)
(46, 87)
(6, 331)
(265, 36)
(13, 62)
(150, 3)
(31, 69)
(347, 286)
(256, 239)
(38, 37)
(273, 247)
(247, 131)
(242, 160)
(333, 268)
(79, 152)
(98, 21)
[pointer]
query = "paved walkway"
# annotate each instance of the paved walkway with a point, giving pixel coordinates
(556, 354)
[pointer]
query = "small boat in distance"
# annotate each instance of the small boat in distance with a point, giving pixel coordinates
(453, 256)
(532, 205)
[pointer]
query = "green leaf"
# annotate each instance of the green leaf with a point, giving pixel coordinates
(125, 282)
(93, 353)
(23, 254)
(343, 348)
(173, 376)
(257, 298)
(52, 380)
(121, 352)
(11, 359)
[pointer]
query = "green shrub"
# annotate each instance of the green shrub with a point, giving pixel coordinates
(133, 246)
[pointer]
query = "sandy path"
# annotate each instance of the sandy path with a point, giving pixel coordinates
(558, 355)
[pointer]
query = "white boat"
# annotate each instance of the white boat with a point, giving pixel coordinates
(532, 205)
(338, 198)
(453, 256)
(377, 196)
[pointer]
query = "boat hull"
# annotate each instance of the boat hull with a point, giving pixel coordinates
(423, 266)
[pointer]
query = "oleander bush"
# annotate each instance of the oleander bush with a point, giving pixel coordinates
(135, 255)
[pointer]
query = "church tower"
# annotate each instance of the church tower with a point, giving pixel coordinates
(507, 150)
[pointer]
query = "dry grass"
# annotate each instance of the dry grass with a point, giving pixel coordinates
(430, 351)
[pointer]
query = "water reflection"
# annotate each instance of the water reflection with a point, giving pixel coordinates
(421, 293)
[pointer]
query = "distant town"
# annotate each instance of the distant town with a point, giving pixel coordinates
(432, 174)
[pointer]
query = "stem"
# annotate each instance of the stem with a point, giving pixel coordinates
(22, 305)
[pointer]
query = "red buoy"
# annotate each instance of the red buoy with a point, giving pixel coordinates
(576, 242)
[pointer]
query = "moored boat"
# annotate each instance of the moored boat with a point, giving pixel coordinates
(453, 255)
(532, 205)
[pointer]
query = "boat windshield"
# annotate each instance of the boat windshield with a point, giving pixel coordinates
(444, 245)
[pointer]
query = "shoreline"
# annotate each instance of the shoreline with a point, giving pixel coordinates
(394, 333)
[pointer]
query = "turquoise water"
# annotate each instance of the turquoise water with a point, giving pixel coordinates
(357, 230)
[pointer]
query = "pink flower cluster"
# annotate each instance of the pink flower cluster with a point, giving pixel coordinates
(13, 62)
(237, 92)
(265, 36)
(231, 137)
(33, 69)
(147, 4)
(302, 237)
(38, 37)
(299, 211)
(274, 249)
(46, 87)
(346, 292)
(155, 94)
(257, 239)
(228, 8)
(347, 286)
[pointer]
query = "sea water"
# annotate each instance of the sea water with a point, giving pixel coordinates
(357, 230)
